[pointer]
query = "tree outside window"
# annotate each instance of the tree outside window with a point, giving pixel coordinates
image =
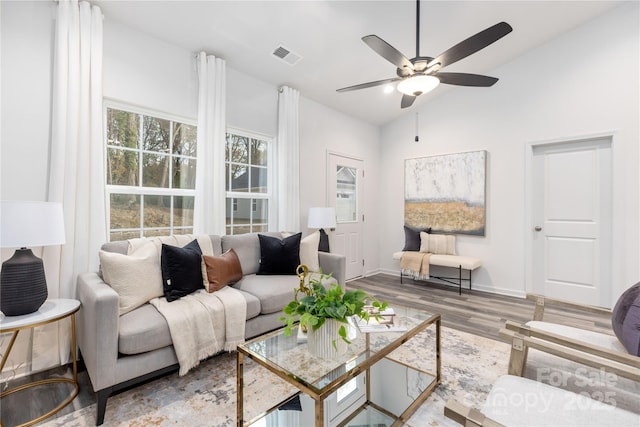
(151, 168)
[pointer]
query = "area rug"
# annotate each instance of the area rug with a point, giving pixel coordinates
(206, 395)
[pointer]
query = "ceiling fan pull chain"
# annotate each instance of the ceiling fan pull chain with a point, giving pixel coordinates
(417, 137)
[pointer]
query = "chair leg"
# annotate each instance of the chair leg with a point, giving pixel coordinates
(103, 395)
(459, 280)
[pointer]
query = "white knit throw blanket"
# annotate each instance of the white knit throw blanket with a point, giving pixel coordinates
(201, 324)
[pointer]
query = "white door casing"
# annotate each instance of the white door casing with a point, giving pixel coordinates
(571, 220)
(345, 176)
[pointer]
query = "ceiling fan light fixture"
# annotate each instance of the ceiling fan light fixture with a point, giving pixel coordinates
(417, 85)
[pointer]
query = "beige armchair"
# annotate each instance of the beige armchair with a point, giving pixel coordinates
(600, 343)
(515, 400)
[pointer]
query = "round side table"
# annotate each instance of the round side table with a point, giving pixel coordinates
(51, 311)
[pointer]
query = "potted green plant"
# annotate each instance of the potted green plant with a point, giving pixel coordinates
(319, 305)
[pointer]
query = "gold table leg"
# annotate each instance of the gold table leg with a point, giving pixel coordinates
(73, 381)
(239, 388)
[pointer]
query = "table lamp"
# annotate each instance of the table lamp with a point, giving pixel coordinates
(23, 287)
(322, 218)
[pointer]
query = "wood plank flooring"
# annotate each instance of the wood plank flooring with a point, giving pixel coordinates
(474, 312)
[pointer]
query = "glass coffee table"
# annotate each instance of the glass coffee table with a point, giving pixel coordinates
(380, 381)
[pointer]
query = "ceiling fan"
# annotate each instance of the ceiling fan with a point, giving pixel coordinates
(422, 74)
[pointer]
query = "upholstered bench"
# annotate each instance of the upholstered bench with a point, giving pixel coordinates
(458, 262)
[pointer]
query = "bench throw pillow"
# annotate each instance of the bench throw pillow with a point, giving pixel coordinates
(222, 270)
(625, 319)
(279, 256)
(441, 244)
(136, 278)
(412, 238)
(181, 270)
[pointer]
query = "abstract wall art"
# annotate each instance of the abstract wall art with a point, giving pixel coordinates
(446, 193)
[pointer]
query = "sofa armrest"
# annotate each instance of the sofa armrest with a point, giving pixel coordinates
(98, 329)
(335, 264)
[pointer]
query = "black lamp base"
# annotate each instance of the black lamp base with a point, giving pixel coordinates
(324, 241)
(23, 287)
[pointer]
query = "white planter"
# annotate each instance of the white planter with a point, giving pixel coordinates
(320, 342)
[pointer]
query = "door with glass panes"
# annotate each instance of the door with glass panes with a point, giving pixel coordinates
(345, 182)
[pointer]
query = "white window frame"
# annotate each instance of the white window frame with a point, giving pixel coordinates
(139, 190)
(269, 195)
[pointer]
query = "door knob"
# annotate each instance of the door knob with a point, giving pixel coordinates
(538, 228)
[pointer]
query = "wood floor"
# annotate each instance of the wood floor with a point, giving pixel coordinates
(475, 312)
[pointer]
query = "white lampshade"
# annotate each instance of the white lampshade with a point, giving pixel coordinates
(418, 84)
(322, 218)
(30, 224)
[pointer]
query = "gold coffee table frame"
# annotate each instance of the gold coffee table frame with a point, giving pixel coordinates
(320, 394)
(53, 310)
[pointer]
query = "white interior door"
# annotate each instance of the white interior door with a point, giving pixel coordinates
(571, 230)
(344, 192)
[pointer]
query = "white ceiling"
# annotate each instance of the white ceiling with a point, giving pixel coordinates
(327, 34)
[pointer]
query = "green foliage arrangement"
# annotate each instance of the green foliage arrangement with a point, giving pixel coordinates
(320, 303)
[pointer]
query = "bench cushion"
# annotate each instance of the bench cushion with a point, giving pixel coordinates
(468, 263)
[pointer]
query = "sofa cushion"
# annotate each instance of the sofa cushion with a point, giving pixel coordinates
(279, 256)
(142, 330)
(253, 304)
(222, 270)
(145, 329)
(247, 246)
(274, 292)
(181, 270)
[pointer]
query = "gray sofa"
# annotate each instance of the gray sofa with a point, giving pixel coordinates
(120, 351)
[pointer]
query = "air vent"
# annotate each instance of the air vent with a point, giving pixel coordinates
(286, 55)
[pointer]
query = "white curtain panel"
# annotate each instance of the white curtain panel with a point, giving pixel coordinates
(209, 212)
(288, 158)
(76, 163)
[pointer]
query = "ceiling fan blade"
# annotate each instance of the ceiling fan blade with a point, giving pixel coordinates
(472, 44)
(407, 101)
(387, 51)
(464, 79)
(369, 84)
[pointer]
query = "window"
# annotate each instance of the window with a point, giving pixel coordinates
(151, 171)
(247, 182)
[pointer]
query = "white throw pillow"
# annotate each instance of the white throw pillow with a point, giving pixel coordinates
(442, 244)
(308, 250)
(137, 279)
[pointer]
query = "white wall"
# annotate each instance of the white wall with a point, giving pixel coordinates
(324, 130)
(583, 83)
(143, 71)
(27, 52)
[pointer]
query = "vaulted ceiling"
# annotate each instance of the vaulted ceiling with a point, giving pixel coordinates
(327, 36)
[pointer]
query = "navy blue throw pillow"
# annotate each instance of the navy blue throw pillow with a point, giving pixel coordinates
(412, 238)
(279, 256)
(181, 270)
